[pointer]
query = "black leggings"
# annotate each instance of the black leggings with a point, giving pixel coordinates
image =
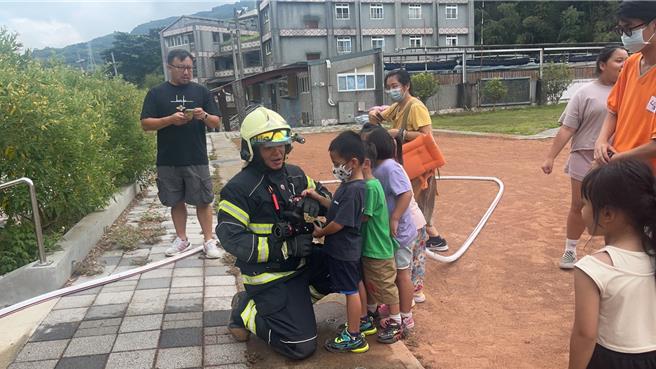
(603, 358)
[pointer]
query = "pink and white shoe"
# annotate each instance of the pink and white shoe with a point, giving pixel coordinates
(178, 246)
(408, 323)
(211, 248)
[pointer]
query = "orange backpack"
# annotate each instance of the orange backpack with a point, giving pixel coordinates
(421, 155)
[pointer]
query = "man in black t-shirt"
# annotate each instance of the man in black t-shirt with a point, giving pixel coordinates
(180, 110)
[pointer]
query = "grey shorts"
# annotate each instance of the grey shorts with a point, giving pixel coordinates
(579, 164)
(403, 257)
(191, 184)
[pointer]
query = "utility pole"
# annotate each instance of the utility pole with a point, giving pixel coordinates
(114, 65)
(237, 87)
(482, 16)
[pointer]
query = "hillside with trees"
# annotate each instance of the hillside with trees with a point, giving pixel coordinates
(533, 22)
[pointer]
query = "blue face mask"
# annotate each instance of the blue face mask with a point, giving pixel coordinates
(395, 94)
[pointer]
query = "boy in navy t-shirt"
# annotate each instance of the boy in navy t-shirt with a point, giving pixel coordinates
(343, 242)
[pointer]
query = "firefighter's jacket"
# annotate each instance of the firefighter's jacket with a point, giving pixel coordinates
(247, 214)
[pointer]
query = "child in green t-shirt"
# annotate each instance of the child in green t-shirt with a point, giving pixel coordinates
(378, 247)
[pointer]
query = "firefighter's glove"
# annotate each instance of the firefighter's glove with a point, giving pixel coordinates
(310, 206)
(299, 246)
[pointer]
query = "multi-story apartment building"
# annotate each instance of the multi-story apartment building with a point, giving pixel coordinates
(211, 42)
(296, 30)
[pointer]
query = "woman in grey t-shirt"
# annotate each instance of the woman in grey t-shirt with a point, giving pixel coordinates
(581, 122)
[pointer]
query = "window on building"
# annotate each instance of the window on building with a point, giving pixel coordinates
(355, 81)
(376, 11)
(451, 40)
(452, 12)
(304, 84)
(414, 11)
(378, 43)
(216, 37)
(265, 15)
(311, 24)
(184, 39)
(342, 11)
(267, 47)
(343, 45)
(312, 56)
(305, 118)
(415, 41)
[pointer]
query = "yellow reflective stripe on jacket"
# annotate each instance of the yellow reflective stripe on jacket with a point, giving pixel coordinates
(248, 316)
(265, 278)
(311, 184)
(262, 250)
(235, 211)
(261, 228)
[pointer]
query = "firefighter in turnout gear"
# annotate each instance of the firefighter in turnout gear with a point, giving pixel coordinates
(261, 221)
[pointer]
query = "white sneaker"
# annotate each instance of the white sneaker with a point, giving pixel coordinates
(568, 259)
(177, 247)
(211, 249)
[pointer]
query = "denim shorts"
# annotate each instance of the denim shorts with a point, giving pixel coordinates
(191, 184)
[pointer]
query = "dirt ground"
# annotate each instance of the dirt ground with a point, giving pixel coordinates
(504, 303)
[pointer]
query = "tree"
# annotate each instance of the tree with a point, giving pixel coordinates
(424, 85)
(514, 22)
(555, 80)
(135, 55)
(571, 25)
(495, 90)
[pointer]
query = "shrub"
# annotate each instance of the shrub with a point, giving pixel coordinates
(555, 80)
(494, 90)
(76, 136)
(424, 85)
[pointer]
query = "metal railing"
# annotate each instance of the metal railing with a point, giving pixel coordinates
(35, 213)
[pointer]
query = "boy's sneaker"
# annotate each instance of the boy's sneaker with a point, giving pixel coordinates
(211, 248)
(437, 243)
(367, 325)
(568, 259)
(419, 297)
(236, 323)
(408, 323)
(391, 332)
(344, 342)
(178, 246)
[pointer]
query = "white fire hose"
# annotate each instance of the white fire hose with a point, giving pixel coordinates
(479, 226)
(129, 273)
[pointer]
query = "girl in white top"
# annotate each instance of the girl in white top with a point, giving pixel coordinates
(615, 317)
(581, 122)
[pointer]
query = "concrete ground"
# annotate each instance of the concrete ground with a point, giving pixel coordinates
(171, 317)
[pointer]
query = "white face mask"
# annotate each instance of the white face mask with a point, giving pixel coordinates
(342, 173)
(635, 42)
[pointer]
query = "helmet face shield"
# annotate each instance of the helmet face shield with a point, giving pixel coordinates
(272, 138)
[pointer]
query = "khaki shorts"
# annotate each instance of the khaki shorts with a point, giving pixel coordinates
(379, 277)
(579, 164)
(191, 184)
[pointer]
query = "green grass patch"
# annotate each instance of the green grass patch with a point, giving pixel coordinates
(517, 121)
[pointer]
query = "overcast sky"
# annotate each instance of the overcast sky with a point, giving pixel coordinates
(60, 23)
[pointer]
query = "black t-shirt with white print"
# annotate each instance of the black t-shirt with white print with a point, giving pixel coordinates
(179, 145)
